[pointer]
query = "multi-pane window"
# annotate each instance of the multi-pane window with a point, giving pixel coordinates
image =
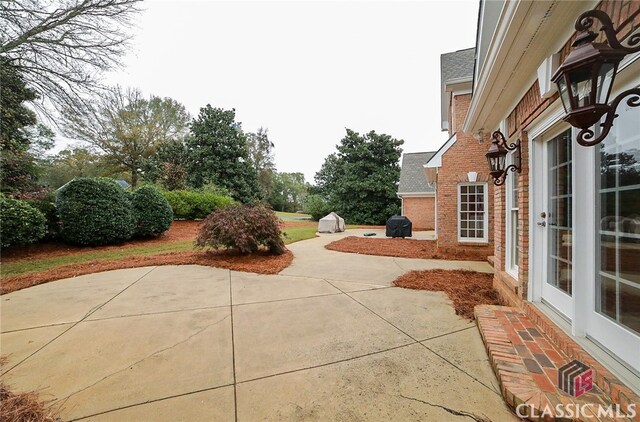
(472, 212)
(559, 216)
(618, 281)
(513, 220)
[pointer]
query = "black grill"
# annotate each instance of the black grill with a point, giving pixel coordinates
(399, 226)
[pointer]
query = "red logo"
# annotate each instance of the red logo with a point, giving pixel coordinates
(575, 378)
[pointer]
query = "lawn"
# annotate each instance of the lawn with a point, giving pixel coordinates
(178, 239)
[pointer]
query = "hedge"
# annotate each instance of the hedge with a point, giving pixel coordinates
(20, 223)
(152, 212)
(95, 211)
(190, 205)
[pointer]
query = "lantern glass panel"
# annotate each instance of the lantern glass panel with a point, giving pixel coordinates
(581, 86)
(496, 163)
(605, 78)
(564, 94)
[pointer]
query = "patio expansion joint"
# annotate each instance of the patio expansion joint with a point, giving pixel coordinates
(420, 342)
(155, 353)
(129, 406)
(87, 315)
(233, 352)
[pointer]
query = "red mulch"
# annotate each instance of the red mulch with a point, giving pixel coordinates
(408, 248)
(466, 289)
(261, 263)
(179, 231)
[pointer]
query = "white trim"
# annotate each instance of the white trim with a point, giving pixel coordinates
(485, 221)
(526, 33)
(401, 205)
(416, 194)
(510, 267)
(436, 159)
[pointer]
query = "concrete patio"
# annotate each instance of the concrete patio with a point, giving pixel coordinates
(327, 339)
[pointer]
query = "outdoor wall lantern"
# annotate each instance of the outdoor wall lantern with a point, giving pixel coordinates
(497, 157)
(586, 77)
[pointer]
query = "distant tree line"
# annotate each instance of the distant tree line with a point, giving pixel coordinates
(52, 55)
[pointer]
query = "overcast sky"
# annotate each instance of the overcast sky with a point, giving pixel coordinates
(304, 69)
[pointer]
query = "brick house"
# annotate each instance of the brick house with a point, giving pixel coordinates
(464, 194)
(566, 229)
(415, 192)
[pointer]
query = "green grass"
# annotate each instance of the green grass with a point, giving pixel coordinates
(294, 234)
(292, 216)
(42, 264)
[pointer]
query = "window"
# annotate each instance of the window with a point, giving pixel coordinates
(512, 210)
(618, 213)
(472, 212)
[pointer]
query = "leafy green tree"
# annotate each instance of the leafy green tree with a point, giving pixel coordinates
(261, 156)
(74, 162)
(361, 179)
(219, 154)
(289, 191)
(128, 127)
(168, 166)
(22, 139)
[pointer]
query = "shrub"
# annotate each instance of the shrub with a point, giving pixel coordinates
(242, 227)
(20, 223)
(190, 205)
(47, 206)
(95, 211)
(317, 206)
(151, 211)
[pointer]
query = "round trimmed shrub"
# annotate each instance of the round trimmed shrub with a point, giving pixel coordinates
(20, 223)
(242, 227)
(95, 211)
(152, 212)
(47, 206)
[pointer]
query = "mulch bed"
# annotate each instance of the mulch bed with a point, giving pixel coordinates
(408, 248)
(179, 231)
(261, 263)
(466, 289)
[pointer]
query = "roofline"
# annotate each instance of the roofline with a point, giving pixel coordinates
(411, 194)
(440, 152)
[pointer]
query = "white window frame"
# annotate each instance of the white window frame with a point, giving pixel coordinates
(485, 221)
(511, 267)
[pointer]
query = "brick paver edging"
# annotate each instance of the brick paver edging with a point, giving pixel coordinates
(526, 364)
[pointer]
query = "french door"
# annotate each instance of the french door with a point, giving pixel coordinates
(556, 223)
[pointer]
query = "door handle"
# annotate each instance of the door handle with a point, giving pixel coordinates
(542, 223)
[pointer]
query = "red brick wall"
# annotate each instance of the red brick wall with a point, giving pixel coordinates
(421, 212)
(464, 156)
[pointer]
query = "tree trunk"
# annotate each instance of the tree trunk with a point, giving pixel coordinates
(134, 178)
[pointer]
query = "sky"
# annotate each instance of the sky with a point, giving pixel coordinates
(305, 70)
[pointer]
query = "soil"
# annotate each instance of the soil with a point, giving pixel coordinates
(408, 248)
(261, 263)
(466, 289)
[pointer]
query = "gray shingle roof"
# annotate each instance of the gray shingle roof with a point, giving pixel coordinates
(458, 64)
(412, 177)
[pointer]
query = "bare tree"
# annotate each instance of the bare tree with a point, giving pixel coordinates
(60, 47)
(127, 126)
